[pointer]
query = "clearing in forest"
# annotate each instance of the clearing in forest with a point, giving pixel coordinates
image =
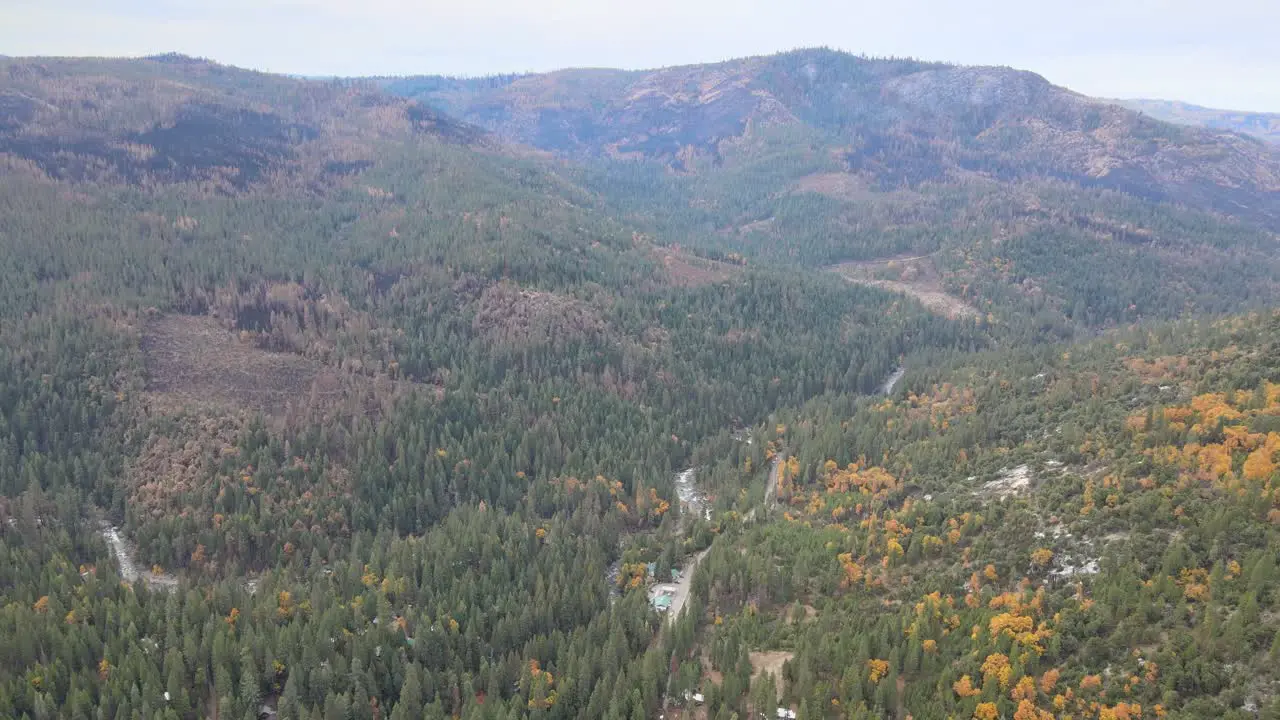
(685, 269)
(195, 361)
(770, 661)
(914, 276)
(837, 185)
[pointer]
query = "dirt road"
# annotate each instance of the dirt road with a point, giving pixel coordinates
(922, 282)
(770, 488)
(775, 474)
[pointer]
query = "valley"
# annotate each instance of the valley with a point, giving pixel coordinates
(811, 382)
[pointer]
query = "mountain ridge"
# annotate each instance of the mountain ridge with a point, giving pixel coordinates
(1264, 125)
(393, 406)
(820, 158)
(1010, 185)
(945, 120)
(175, 118)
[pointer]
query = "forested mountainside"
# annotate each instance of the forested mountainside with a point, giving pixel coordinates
(1016, 197)
(275, 376)
(1259, 124)
(1084, 532)
(319, 402)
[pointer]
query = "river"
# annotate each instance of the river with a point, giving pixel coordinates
(691, 498)
(128, 565)
(892, 381)
(693, 501)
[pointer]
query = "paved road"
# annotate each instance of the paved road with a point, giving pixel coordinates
(681, 589)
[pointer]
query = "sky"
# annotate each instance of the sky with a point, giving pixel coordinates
(1220, 54)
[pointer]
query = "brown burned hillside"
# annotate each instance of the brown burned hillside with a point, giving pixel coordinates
(172, 119)
(1028, 199)
(894, 123)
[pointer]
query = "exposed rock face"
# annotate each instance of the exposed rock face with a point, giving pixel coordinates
(944, 91)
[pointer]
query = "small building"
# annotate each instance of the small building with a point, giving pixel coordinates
(662, 603)
(786, 714)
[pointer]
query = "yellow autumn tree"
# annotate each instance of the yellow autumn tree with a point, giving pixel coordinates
(986, 711)
(1259, 465)
(853, 572)
(1011, 623)
(1024, 689)
(1215, 460)
(964, 687)
(1026, 711)
(284, 605)
(877, 669)
(997, 667)
(1048, 681)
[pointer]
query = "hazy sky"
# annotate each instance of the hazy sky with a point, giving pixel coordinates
(1222, 53)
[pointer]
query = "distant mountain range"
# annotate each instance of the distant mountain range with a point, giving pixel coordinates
(1011, 195)
(1263, 125)
(891, 123)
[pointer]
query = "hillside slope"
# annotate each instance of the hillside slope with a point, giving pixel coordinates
(172, 118)
(394, 409)
(901, 123)
(1076, 532)
(1262, 125)
(380, 399)
(1017, 198)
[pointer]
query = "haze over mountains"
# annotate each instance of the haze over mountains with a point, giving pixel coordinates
(1263, 125)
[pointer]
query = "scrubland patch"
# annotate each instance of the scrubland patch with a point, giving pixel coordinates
(510, 315)
(194, 362)
(686, 270)
(840, 186)
(914, 276)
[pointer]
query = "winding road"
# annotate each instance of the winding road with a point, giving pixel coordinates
(680, 590)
